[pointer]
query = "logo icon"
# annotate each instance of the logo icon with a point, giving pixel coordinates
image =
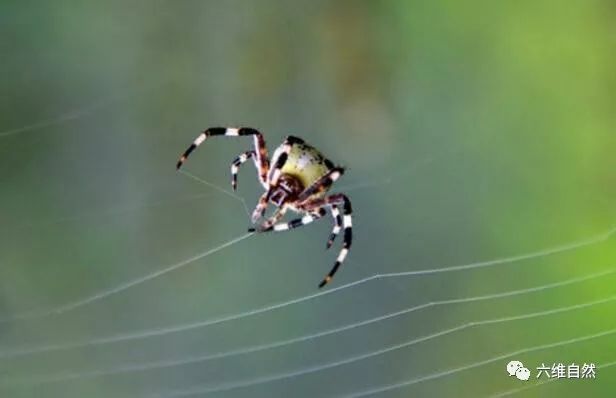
(517, 369)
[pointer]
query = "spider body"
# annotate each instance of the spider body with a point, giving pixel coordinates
(304, 162)
(298, 179)
(303, 167)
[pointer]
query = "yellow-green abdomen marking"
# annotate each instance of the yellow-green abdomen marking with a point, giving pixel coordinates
(306, 164)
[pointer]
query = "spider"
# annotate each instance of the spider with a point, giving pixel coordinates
(298, 180)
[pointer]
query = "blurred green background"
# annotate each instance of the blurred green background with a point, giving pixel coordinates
(471, 131)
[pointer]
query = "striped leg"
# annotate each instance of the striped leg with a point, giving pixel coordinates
(337, 226)
(298, 222)
(235, 166)
(347, 224)
(322, 184)
(259, 143)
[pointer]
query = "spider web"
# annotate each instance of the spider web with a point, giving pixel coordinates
(67, 376)
(187, 304)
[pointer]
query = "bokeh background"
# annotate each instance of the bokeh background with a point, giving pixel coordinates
(471, 131)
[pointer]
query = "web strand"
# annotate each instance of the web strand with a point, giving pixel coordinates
(319, 368)
(75, 113)
(438, 375)
(220, 189)
(215, 321)
(262, 347)
(126, 285)
(120, 288)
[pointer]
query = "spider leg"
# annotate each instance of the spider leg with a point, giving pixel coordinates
(341, 199)
(237, 162)
(259, 143)
(298, 222)
(337, 226)
(268, 224)
(322, 184)
(259, 210)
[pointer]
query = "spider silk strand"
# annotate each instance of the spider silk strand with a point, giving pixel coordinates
(214, 321)
(124, 286)
(473, 365)
(65, 376)
(301, 372)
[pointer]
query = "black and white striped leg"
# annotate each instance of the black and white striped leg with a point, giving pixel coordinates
(235, 166)
(298, 222)
(347, 224)
(322, 184)
(259, 143)
(337, 225)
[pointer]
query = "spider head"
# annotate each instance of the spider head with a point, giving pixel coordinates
(287, 190)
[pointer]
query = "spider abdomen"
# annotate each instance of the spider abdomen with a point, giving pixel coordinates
(306, 163)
